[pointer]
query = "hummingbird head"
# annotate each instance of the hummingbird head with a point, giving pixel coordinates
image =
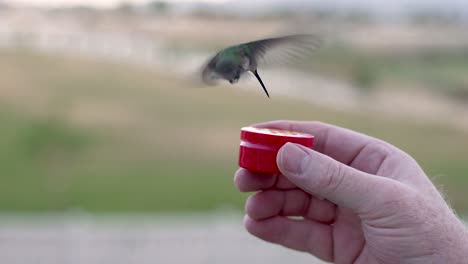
(229, 71)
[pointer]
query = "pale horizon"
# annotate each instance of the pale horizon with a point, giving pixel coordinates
(94, 3)
(381, 8)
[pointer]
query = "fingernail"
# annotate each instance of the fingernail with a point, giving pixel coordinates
(291, 158)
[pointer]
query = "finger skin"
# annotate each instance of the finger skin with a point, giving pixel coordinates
(338, 143)
(249, 181)
(362, 152)
(303, 235)
(295, 202)
(322, 176)
(387, 210)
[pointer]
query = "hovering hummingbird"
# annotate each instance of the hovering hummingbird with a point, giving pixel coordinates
(232, 62)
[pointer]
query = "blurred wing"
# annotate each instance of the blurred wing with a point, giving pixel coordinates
(283, 49)
(208, 75)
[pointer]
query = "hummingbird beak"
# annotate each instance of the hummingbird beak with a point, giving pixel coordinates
(260, 80)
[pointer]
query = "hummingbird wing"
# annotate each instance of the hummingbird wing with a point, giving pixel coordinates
(282, 49)
(208, 74)
(265, 51)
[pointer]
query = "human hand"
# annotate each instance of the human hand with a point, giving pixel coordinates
(360, 199)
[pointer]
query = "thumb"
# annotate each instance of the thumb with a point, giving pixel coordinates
(325, 177)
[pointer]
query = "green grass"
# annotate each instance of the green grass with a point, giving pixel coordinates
(48, 165)
(103, 137)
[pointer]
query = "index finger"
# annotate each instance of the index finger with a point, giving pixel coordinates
(338, 143)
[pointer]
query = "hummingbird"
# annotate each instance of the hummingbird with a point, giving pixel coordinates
(232, 62)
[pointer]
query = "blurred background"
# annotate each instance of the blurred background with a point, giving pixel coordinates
(110, 153)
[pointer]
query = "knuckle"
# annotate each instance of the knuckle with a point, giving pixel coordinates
(381, 149)
(332, 178)
(319, 123)
(402, 200)
(376, 148)
(408, 159)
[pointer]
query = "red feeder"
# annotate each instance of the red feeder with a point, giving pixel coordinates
(259, 146)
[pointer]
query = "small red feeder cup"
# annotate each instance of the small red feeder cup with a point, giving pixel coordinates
(259, 146)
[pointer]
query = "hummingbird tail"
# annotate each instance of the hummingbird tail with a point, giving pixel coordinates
(260, 80)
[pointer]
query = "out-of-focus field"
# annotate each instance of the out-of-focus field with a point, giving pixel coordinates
(81, 133)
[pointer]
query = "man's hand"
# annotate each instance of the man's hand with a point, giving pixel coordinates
(361, 200)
